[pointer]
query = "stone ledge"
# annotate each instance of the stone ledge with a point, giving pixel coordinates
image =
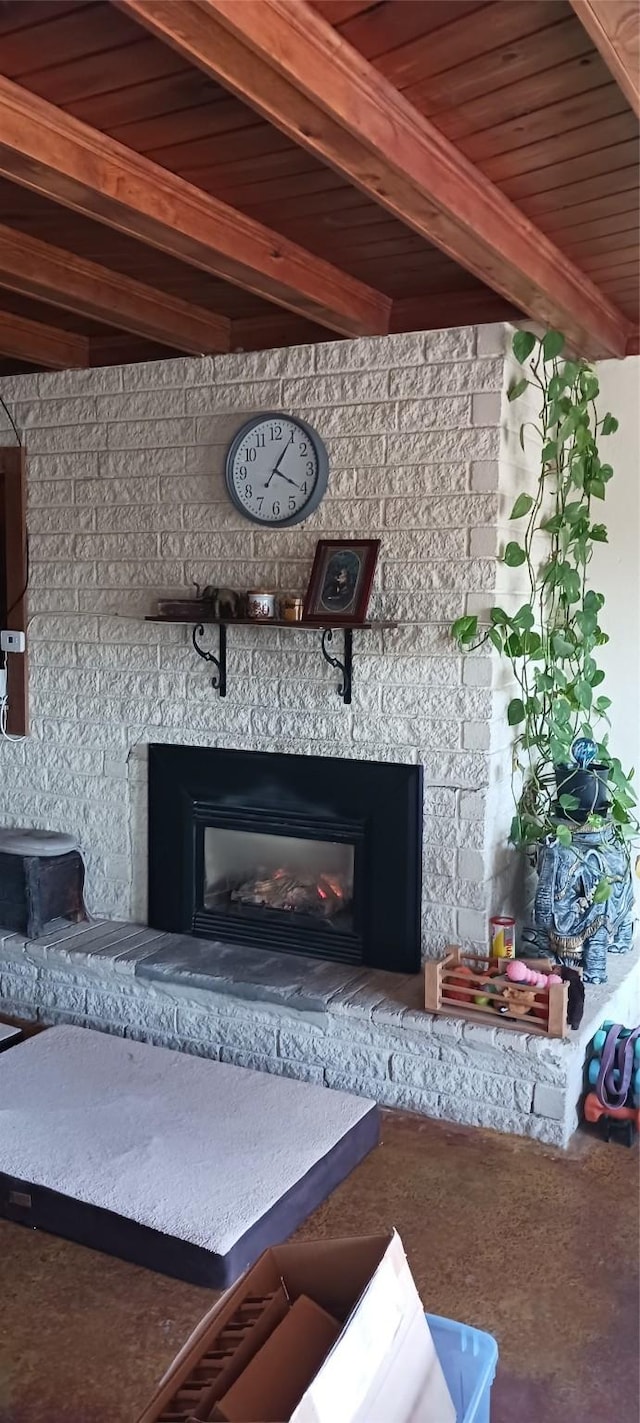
(349, 1027)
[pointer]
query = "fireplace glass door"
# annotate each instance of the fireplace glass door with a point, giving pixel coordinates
(246, 871)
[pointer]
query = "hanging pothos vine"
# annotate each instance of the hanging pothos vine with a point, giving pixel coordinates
(551, 641)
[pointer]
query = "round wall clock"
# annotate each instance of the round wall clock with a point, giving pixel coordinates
(276, 470)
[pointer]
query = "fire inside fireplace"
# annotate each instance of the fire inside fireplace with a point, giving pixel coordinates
(245, 871)
(305, 855)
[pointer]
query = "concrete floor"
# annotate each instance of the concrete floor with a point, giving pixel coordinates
(537, 1246)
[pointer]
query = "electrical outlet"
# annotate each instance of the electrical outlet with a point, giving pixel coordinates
(12, 641)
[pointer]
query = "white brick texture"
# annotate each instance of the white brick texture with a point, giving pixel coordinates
(127, 502)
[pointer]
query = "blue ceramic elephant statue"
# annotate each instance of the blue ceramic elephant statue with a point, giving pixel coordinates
(577, 929)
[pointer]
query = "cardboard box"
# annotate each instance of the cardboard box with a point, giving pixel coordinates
(382, 1368)
(278, 1376)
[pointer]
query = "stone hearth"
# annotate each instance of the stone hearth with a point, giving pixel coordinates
(352, 1028)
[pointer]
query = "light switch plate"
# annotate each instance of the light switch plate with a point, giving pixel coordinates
(12, 641)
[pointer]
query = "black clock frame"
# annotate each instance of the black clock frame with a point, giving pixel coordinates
(322, 479)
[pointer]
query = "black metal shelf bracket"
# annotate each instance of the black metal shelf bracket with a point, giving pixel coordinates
(219, 679)
(345, 666)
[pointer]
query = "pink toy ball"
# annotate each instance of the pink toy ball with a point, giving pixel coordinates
(554, 978)
(541, 980)
(517, 972)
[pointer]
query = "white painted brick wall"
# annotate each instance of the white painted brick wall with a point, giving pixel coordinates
(127, 502)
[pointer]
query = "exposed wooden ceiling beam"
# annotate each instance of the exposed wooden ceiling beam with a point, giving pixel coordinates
(614, 27)
(437, 310)
(40, 345)
(36, 269)
(300, 74)
(262, 333)
(48, 151)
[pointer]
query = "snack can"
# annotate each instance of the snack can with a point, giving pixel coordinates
(502, 936)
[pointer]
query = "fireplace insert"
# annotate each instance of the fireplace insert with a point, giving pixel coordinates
(302, 854)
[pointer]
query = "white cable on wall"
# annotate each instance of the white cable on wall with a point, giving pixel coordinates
(4, 711)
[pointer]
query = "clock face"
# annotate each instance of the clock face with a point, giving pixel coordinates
(277, 470)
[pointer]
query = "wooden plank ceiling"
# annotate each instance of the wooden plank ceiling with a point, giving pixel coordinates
(200, 175)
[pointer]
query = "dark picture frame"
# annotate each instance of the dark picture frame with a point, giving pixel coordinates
(340, 583)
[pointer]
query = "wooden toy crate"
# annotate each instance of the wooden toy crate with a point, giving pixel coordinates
(444, 993)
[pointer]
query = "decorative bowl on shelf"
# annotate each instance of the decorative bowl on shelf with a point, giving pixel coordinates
(262, 605)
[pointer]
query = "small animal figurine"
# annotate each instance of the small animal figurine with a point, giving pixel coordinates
(516, 1001)
(224, 603)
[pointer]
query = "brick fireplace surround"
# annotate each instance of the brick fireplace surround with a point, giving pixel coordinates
(127, 503)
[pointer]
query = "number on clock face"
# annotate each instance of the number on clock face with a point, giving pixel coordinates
(275, 470)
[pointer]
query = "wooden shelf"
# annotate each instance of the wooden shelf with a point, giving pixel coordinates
(306, 623)
(326, 629)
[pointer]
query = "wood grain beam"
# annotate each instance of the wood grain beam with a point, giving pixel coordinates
(37, 269)
(438, 310)
(300, 74)
(46, 150)
(614, 27)
(40, 345)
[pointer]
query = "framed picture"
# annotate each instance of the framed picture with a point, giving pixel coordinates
(340, 583)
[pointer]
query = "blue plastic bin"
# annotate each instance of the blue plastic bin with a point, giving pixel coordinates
(469, 1361)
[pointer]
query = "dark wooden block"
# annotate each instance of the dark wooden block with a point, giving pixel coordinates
(37, 888)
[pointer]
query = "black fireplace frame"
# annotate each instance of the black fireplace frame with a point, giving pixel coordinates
(374, 806)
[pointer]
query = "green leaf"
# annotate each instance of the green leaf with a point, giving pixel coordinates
(523, 504)
(561, 711)
(573, 510)
(589, 385)
(609, 424)
(524, 617)
(598, 532)
(583, 693)
(513, 645)
(602, 704)
(499, 618)
(596, 488)
(514, 555)
(515, 711)
(570, 370)
(552, 344)
(523, 344)
(578, 472)
(563, 834)
(549, 451)
(465, 629)
(517, 389)
(597, 677)
(602, 891)
(561, 645)
(559, 747)
(606, 472)
(569, 802)
(556, 386)
(532, 645)
(496, 639)
(567, 428)
(570, 583)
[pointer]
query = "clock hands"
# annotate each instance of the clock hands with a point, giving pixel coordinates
(285, 476)
(277, 470)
